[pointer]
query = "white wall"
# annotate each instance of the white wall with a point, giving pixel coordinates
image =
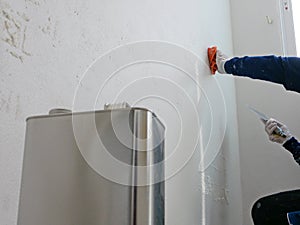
(265, 167)
(45, 48)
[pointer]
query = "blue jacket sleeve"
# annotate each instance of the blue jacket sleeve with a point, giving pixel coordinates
(293, 146)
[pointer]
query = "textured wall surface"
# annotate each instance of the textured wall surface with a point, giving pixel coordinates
(45, 48)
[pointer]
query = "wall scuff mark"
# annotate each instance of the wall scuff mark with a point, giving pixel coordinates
(11, 104)
(17, 56)
(49, 29)
(34, 2)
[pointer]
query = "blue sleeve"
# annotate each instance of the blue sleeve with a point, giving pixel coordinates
(276, 69)
(293, 146)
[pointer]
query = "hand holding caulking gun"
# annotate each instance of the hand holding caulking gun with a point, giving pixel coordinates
(277, 131)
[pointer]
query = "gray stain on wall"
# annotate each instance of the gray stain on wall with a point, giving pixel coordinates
(10, 103)
(18, 107)
(5, 203)
(5, 103)
(34, 2)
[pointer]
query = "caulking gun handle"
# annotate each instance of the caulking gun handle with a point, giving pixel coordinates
(280, 132)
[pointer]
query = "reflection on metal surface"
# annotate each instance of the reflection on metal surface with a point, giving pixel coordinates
(144, 128)
(59, 111)
(117, 106)
(63, 184)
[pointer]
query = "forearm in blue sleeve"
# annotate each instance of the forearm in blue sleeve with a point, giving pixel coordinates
(293, 146)
(276, 69)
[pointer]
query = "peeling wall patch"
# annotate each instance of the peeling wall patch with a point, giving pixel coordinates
(16, 56)
(14, 26)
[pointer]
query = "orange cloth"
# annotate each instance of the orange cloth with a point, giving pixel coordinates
(211, 53)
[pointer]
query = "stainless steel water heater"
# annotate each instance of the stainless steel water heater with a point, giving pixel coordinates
(93, 168)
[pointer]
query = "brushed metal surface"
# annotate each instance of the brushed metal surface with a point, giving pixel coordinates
(60, 187)
(148, 200)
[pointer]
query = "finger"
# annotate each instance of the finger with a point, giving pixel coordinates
(269, 125)
(270, 121)
(271, 128)
(279, 124)
(274, 121)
